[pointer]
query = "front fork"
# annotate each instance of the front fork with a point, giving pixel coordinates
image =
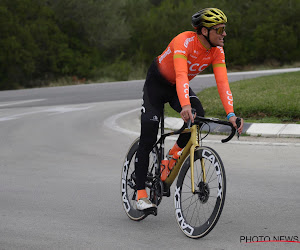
(195, 144)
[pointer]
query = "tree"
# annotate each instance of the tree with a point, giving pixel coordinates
(35, 47)
(101, 23)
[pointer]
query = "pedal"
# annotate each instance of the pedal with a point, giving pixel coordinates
(167, 193)
(152, 210)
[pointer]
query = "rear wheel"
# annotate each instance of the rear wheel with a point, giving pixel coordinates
(197, 213)
(128, 185)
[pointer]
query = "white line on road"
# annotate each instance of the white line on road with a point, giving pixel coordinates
(112, 123)
(52, 111)
(20, 102)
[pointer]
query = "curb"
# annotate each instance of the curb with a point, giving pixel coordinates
(253, 129)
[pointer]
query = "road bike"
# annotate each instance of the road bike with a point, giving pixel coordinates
(201, 184)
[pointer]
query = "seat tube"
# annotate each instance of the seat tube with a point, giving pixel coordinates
(162, 131)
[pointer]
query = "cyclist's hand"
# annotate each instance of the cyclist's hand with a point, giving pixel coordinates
(186, 113)
(233, 121)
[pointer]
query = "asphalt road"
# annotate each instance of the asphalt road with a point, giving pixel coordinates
(61, 154)
(103, 92)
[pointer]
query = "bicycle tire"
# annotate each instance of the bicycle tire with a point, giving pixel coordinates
(128, 189)
(198, 213)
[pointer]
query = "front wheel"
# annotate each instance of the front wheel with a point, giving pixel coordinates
(197, 213)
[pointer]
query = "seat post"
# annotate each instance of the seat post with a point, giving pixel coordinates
(162, 122)
(162, 131)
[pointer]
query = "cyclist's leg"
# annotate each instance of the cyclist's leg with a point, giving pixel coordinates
(149, 130)
(151, 113)
(196, 104)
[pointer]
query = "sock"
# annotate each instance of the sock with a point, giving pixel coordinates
(141, 194)
(175, 149)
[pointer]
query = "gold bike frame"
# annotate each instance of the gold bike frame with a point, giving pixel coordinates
(189, 149)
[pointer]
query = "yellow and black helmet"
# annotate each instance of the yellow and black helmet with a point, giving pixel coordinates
(208, 17)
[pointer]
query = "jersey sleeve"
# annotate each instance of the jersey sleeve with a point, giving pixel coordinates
(181, 71)
(220, 72)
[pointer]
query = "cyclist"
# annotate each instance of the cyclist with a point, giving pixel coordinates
(188, 54)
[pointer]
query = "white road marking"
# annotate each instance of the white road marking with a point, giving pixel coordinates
(4, 104)
(55, 110)
(112, 123)
(66, 109)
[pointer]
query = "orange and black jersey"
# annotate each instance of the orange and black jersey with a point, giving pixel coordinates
(185, 57)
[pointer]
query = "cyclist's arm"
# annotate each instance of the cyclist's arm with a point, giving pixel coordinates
(182, 81)
(182, 86)
(220, 72)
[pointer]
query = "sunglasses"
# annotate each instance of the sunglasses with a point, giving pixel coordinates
(219, 30)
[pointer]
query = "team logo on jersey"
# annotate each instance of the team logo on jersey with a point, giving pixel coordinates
(196, 66)
(186, 90)
(187, 41)
(229, 98)
(179, 51)
(221, 49)
(163, 56)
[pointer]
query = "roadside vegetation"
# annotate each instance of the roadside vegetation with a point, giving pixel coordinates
(59, 42)
(271, 99)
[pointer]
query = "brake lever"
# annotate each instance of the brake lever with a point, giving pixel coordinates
(238, 124)
(189, 123)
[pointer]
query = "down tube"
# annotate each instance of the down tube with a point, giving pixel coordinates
(168, 182)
